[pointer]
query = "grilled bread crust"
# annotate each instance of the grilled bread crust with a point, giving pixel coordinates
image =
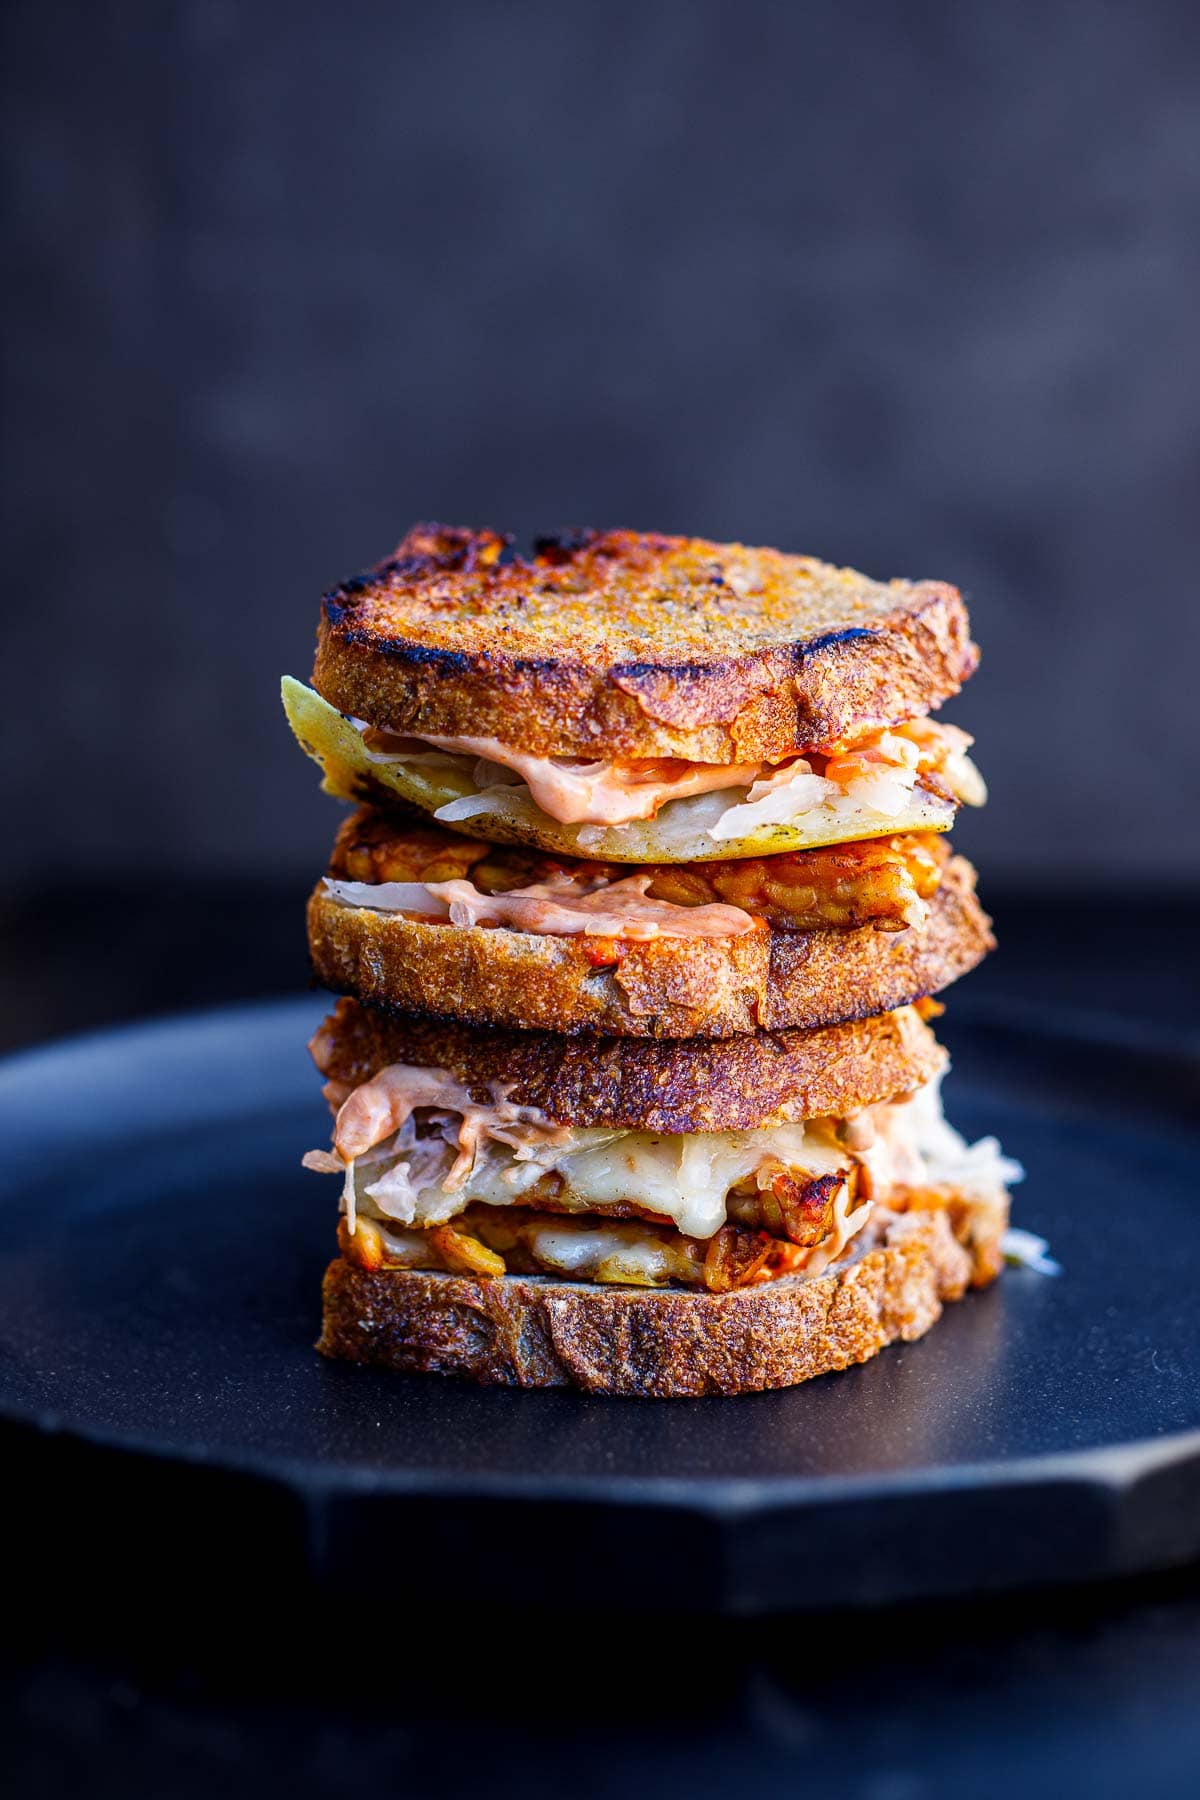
(625, 644)
(637, 1084)
(668, 988)
(522, 1331)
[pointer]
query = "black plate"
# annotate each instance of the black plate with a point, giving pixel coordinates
(159, 1300)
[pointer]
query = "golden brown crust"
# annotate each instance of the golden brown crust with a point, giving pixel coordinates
(528, 1332)
(666, 988)
(695, 1084)
(626, 644)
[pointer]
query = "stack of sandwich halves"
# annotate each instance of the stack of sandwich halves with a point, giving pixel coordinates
(636, 929)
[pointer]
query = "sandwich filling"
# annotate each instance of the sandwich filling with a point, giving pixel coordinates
(436, 876)
(438, 1176)
(875, 774)
(906, 777)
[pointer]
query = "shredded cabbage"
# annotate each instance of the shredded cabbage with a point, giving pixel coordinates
(1025, 1250)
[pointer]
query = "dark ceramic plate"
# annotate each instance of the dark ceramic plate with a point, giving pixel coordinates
(161, 1403)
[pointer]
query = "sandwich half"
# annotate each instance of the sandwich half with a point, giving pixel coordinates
(645, 1217)
(413, 915)
(632, 698)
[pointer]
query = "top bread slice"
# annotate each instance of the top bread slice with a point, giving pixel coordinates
(621, 644)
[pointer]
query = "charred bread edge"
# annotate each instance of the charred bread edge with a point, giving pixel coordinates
(752, 707)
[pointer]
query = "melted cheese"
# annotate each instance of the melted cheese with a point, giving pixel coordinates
(629, 1253)
(684, 1177)
(405, 1189)
(639, 1256)
(496, 1152)
(423, 1172)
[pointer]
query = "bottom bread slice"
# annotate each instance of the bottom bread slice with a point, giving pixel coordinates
(537, 1331)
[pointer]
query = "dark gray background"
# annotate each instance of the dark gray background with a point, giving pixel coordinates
(915, 287)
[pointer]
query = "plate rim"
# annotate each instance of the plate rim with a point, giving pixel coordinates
(1112, 1476)
(1115, 1469)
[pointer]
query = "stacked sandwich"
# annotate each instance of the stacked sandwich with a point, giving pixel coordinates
(636, 928)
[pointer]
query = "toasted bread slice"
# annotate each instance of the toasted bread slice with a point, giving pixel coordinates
(696, 1084)
(528, 1331)
(625, 644)
(667, 988)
